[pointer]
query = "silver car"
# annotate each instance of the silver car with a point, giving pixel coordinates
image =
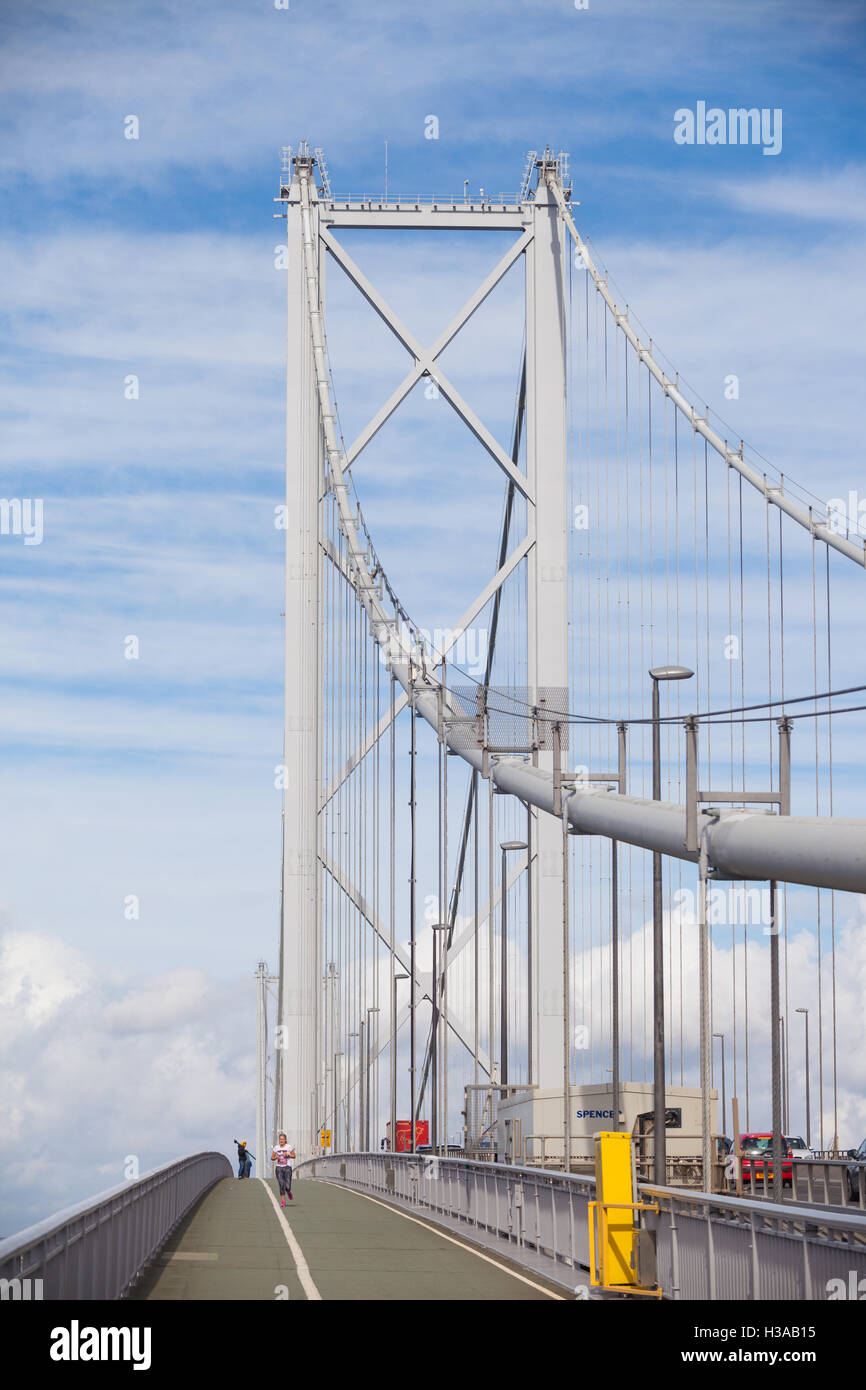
(798, 1148)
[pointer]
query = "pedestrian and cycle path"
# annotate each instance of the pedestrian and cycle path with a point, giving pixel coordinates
(328, 1243)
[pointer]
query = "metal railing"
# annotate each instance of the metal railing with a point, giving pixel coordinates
(471, 202)
(826, 1180)
(682, 1170)
(705, 1246)
(95, 1250)
(715, 1247)
(805, 1180)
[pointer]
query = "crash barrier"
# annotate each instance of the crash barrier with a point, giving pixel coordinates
(702, 1246)
(96, 1250)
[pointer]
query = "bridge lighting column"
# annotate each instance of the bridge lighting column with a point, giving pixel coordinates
(660, 673)
(805, 1013)
(434, 1037)
(393, 1109)
(505, 846)
(349, 1097)
(776, 1058)
(362, 1086)
(724, 1092)
(367, 1065)
(783, 1053)
(335, 1137)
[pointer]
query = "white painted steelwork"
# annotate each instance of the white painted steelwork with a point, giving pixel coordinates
(821, 851)
(743, 844)
(732, 458)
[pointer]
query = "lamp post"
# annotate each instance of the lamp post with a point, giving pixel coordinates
(393, 1113)
(330, 981)
(434, 1041)
(349, 1095)
(367, 1085)
(362, 1089)
(783, 1052)
(335, 1135)
(659, 673)
(805, 1013)
(505, 846)
(724, 1107)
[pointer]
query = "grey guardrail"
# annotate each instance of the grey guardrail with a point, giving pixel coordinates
(95, 1250)
(707, 1246)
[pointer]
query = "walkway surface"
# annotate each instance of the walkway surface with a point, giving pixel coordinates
(339, 1244)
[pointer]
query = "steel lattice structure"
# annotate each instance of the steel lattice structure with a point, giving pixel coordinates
(329, 536)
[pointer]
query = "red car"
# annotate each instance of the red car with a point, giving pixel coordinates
(757, 1150)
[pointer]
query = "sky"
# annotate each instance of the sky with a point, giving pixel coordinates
(144, 783)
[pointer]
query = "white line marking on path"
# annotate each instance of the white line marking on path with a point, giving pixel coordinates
(301, 1266)
(438, 1232)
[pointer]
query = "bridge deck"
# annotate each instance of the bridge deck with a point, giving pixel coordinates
(233, 1246)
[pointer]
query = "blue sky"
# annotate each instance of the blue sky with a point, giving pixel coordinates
(155, 257)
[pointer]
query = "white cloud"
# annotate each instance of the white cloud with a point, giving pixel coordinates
(108, 1067)
(214, 88)
(732, 970)
(164, 1001)
(799, 974)
(38, 976)
(147, 297)
(825, 196)
(784, 319)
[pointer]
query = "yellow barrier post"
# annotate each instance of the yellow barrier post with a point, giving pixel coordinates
(614, 1266)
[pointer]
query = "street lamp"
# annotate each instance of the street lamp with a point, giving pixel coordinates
(329, 981)
(349, 1103)
(805, 1013)
(362, 1088)
(335, 1135)
(394, 1059)
(505, 846)
(335, 1146)
(783, 1051)
(367, 1085)
(657, 674)
(437, 927)
(724, 1108)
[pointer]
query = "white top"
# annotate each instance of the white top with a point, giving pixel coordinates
(283, 1153)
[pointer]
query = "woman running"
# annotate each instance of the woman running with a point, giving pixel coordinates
(280, 1156)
